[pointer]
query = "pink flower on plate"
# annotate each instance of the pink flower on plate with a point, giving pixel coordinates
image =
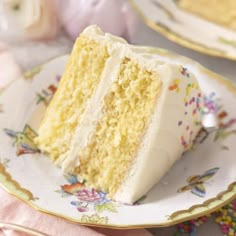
(90, 195)
(82, 209)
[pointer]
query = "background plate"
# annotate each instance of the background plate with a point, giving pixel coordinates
(34, 179)
(187, 29)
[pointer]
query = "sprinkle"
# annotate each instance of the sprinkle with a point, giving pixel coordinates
(225, 218)
(183, 142)
(188, 89)
(192, 100)
(186, 104)
(184, 71)
(180, 123)
(194, 111)
(190, 227)
(185, 113)
(187, 127)
(173, 87)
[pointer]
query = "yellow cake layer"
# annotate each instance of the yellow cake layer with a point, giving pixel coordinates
(80, 79)
(218, 11)
(105, 162)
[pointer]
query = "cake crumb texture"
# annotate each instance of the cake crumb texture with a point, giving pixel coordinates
(80, 79)
(105, 162)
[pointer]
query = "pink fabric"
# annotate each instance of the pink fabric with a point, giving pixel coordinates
(9, 69)
(14, 211)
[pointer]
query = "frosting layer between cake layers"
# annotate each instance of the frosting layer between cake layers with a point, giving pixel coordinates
(172, 127)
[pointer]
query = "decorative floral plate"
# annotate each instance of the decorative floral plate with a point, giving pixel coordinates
(200, 182)
(187, 29)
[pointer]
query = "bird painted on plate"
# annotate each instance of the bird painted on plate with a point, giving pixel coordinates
(23, 140)
(196, 182)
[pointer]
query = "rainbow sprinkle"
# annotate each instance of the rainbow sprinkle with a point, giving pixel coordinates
(224, 217)
(175, 85)
(190, 227)
(183, 142)
(184, 72)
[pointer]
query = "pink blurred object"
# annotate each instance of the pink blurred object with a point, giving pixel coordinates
(28, 20)
(8, 67)
(47, 25)
(112, 16)
(43, 19)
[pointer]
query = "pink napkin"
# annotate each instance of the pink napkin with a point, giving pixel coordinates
(14, 211)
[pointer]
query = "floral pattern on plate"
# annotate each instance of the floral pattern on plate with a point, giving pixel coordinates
(86, 198)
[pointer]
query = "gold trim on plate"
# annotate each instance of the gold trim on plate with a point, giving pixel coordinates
(179, 216)
(218, 199)
(7, 182)
(179, 39)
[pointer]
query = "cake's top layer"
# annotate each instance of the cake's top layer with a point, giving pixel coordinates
(114, 43)
(95, 32)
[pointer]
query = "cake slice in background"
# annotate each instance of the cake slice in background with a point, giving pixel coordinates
(217, 11)
(120, 118)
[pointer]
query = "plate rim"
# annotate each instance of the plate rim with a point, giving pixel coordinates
(176, 217)
(179, 39)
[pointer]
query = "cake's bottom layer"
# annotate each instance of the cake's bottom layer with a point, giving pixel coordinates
(80, 79)
(105, 162)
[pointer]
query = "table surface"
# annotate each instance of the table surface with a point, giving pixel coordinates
(143, 36)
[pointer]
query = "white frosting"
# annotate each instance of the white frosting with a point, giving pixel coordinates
(161, 145)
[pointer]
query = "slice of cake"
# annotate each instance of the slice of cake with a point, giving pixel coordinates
(120, 118)
(217, 11)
